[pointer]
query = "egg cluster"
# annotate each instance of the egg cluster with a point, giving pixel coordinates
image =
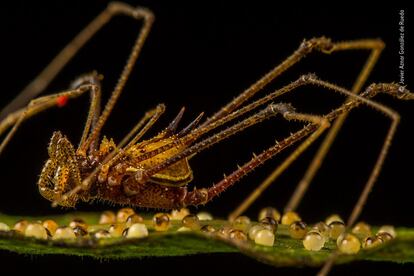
(126, 223)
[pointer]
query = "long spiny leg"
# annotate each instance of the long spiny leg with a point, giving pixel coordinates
(324, 45)
(320, 155)
(38, 105)
(194, 135)
(358, 207)
(306, 80)
(203, 195)
(395, 117)
(191, 137)
(270, 111)
(323, 125)
(318, 125)
(148, 19)
(393, 89)
(42, 80)
(301, 188)
(300, 191)
(321, 44)
(95, 105)
(199, 196)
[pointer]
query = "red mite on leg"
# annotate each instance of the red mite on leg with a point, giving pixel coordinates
(61, 101)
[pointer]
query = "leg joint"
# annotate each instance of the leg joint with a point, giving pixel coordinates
(137, 13)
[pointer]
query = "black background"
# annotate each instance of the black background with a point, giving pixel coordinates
(201, 56)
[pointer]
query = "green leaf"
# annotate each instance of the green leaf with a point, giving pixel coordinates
(285, 252)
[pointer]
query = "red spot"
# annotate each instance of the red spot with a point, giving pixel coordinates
(61, 101)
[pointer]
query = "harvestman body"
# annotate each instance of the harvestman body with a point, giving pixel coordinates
(155, 172)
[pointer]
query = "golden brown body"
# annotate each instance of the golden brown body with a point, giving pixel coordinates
(162, 190)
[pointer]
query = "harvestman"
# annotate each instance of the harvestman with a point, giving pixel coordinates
(155, 172)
